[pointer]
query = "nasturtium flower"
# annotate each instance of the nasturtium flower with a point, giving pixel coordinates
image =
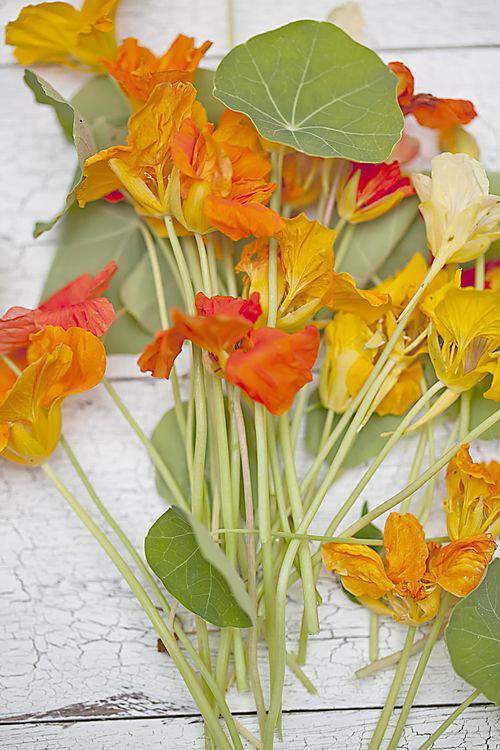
(142, 168)
(472, 504)
(457, 140)
(219, 181)
(301, 180)
(269, 365)
(138, 70)
(367, 191)
(56, 32)
(459, 566)
(395, 584)
(77, 304)
(460, 215)
(465, 337)
(429, 111)
(60, 363)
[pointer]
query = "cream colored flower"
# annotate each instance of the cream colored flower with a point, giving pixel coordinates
(460, 216)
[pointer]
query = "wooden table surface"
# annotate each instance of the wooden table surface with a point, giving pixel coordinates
(79, 665)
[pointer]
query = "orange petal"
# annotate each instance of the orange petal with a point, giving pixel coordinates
(158, 357)
(238, 220)
(274, 366)
(459, 566)
(405, 548)
(16, 326)
(233, 307)
(367, 304)
(406, 83)
(432, 112)
(360, 566)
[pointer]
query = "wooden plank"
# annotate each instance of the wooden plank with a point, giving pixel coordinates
(477, 729)
(74, 641)
(389, 25)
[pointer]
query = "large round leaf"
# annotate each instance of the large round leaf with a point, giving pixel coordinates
(473, 636)
(308, 85)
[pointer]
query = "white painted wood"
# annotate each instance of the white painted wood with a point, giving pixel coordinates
(323, 730)
(74, 646)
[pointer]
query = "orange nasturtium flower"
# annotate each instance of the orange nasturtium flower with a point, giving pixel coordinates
(138, 70)
(57, 32)
(142, 167)
(60, 363)
(219, 179)
(430, 111)
(367, 191)
(78, 304)
(406, 582)
(269, 365)
(473, 503)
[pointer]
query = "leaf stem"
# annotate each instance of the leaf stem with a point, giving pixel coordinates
(392, 696)
(449, 721)
(277, 176)
(374, 634)
(419, 671)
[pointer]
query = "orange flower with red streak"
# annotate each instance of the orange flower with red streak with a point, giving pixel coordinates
(219, 180)
(369, 190)
(269, 365)
(428, 110)
(78, 304)
(138, 70)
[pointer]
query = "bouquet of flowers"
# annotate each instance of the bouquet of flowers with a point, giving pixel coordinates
(266, 221)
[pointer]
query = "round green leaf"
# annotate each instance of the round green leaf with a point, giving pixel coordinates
(196, 571)
(473, 635)
(308, 85)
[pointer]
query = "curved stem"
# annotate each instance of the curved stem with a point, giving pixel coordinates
(449, 721)
(187, 286)
(277, 173)
(157, 460)
(392, 696)
(332, 196)
(419, 671)
(149, 608)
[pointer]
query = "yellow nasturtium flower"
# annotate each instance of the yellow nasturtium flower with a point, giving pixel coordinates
(460, 215)
(473, 503)
(60, 363)
(465, 336)
(59, 33)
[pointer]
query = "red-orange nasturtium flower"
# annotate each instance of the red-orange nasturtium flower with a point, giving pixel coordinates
(472, 504)
(406, 582)
(56, 32)
(219, 179)
(366, 191)
(430, 111)
(268, 364)
(60, 363)
(77, 304)
(138, 70)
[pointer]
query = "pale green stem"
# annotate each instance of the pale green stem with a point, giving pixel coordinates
(308, 583)
(392, 696)
(169, 257)
(232, 287)
(449, 721)
(253, 639)
(276, 473)
(374, 633)
(149, 608)
(205, 268)
(419, 671)
(277, 162)
(388, 661)
(294, 666)
(344, 246)
(161, 467)
(230, 23)
(479, 274)
(298, 413)
(164, 322)
(187, 286)
(212, 265)
(464, 417)
(326, 216)
(416, 465)
(426, 504)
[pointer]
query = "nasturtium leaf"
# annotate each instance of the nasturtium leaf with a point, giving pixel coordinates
(138, 293)
(73, 124)
(413, 241)
(90, 238)
(473, 635)
(368, 443)
(195, 570)
(480, 409)
(170, 444)
(374, 243)
(105, 107)
(204, 84)
(308, 85)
